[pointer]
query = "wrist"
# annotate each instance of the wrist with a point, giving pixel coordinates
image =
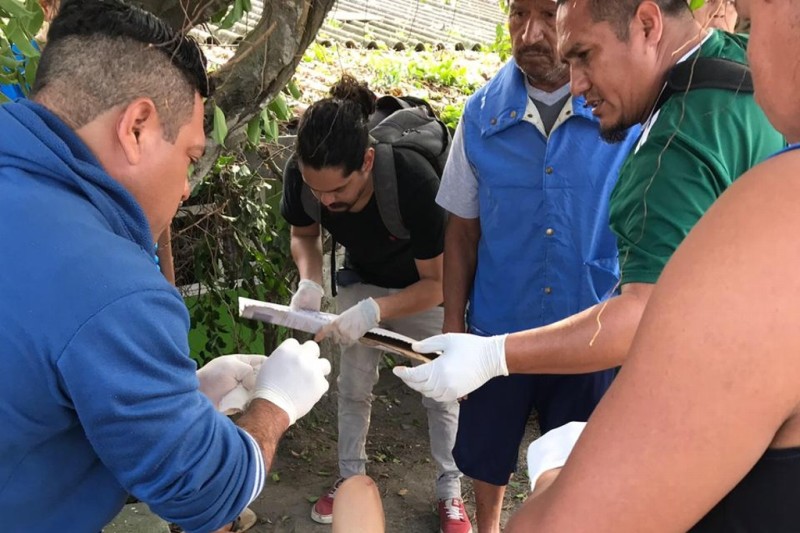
(278, 401)
(454, 325)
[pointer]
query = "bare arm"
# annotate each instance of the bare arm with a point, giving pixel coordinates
(266, 423)
(594, 339)
(306, 246)
(711, 380)
(419, 296)
(460, 260)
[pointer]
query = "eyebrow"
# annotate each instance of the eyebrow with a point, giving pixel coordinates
(573, 51)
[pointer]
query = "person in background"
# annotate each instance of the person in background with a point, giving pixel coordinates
(386, 280)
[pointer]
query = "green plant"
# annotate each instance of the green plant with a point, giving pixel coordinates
(231, 241)
(20, 21)
(502, 42)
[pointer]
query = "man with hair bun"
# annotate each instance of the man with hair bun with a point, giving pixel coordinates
(98, 395)
(386, 280)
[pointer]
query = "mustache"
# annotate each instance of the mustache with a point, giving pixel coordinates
(538, 49)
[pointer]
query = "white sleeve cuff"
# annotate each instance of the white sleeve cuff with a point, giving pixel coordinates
(261, 469)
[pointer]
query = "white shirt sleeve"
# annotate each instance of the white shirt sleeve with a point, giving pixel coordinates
(458, 192)
(260, 467)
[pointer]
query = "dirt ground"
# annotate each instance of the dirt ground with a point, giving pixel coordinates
(399, 460)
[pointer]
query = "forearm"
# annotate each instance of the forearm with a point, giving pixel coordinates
(266, 423)
(594, 339)
(460, 260)
(417, 297)
(307, 255)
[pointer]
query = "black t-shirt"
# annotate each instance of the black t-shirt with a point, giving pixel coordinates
(375, 254)
(765, 500)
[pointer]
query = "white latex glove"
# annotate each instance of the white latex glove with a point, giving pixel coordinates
(229, 379)
(466, 363)
(293, 378)
(552, 449)
(308, 296)
(353, 323)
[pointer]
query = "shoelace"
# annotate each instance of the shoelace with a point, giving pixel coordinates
(335, 487)
(453, 510)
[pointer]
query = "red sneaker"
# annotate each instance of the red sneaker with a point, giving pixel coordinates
(322, 512)
(453, 517)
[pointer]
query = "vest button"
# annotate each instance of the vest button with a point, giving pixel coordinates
(549, 231)
(513, 114)
(548, 290)
(493, 121)
(548, 170)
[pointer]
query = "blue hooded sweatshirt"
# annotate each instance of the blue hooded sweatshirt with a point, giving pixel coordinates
(98, 395)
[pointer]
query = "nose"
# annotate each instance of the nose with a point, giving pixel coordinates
(186, 190)
(326, 198)
(578, 81)
(534, 31)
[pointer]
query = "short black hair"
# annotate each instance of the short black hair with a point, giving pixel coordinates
(619, 13)
(104, 53)
(334, 132)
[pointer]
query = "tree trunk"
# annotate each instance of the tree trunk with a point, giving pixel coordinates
(264, 61)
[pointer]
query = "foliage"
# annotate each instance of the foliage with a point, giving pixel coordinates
(502, 42)
(20, 21)
(230, 240)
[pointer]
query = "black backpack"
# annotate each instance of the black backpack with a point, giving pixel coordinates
(706, 73)
(408, 124)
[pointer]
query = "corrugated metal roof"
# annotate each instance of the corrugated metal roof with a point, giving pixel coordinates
(430, 22)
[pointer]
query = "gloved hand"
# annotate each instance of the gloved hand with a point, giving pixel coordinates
(229, 379)
(308, 296)
(293, 378)
(353, 323)
(466, 363)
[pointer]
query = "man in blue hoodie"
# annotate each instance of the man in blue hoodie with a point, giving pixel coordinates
(99, 397)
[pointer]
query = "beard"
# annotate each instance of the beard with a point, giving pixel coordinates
(614, 134)
(539, 64)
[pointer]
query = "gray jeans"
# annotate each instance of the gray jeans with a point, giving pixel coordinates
(358, 374)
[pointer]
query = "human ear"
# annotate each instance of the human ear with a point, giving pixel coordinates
(138, 121)
(369, 159)
(649, 20)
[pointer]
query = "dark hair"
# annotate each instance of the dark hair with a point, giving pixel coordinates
(619, 13)
(104, 53)
(333, 132)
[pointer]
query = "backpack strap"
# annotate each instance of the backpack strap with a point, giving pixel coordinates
(384, 181)
(706, 73)
(311, 205)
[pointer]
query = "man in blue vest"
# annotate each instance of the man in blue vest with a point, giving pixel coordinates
(528, 241)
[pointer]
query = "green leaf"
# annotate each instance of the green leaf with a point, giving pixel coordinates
(19, 37)
(233, 16)
(254, 129)
(294, 90)
(271, 130)
(220, 131)
(696, 4)
(279, 107)
(15, 9)
(276, 476)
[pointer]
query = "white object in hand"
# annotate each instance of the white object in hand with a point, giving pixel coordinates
(293, 378)
(228, 380)
(552, 449)
(351, 325)
(466, 363)
(308, 296)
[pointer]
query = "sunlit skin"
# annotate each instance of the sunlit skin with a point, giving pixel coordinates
(341, 193)
(531, 26)
(621, 80)
(778, 72)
